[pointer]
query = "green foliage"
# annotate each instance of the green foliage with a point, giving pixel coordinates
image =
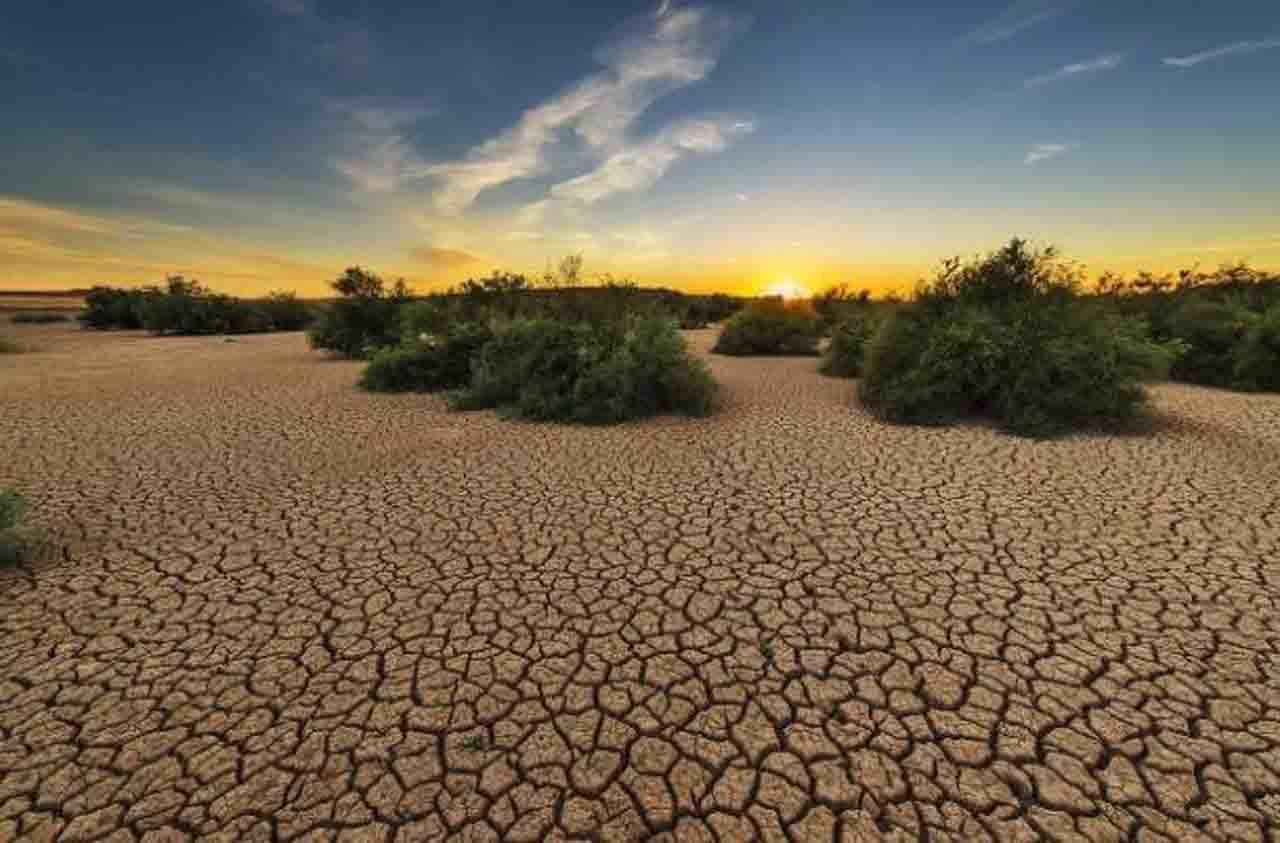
(427, 365)
(1212, 314)
(286, 312)
(187, 307)
(30, 317)
(841, 303)
(109, 308)
(770, 328)
(365, 317)
(845, 355)
(1008, 337)
(550, 370)
(12, 507)
(1212, 331)
(1256, 364)
(8, 346)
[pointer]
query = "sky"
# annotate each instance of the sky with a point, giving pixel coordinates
(262, 145)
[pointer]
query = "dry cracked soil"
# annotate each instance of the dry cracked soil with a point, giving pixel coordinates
(273, 607)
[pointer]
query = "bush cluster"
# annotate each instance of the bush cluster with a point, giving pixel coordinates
(770, 328)
(187, 307)
(847, 350)
(12, 507)
(39, 317)
(8, 346)
(1224, 319)
(363, 318)
(427, 363)
(559, 351)
(1009, 337)
(592, 373)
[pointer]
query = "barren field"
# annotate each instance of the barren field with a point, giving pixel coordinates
(275, 607)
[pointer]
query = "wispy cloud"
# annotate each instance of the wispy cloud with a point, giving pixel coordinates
(1015, 19)
(1083, 68)
(672, 48)
(1239, 48)
(640, 165)
(374, 135)
(1047, 151)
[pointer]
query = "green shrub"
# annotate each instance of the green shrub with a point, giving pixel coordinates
(365, 317)
(113, 308)
(1256, 364)
(427, 365)
(12, 507)
(845, 355)
(770, 329)
(286, 312)
(8, 346)
(1008, 337)
(1212, 331)
(434, 316)
(188, 307)
(39, 318)
(550, 370)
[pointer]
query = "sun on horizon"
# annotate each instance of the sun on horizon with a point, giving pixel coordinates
(787, 289)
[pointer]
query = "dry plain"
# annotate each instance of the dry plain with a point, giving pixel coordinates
(273, 607)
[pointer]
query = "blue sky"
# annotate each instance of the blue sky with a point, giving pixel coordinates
(260, 144)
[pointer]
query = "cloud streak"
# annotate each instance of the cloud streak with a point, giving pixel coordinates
(1110, 61)
(640, 165)
(1239, 48)
(1014, 20)
(671, 49)
(1047, 152)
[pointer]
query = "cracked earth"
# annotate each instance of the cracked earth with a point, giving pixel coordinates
(273, 607)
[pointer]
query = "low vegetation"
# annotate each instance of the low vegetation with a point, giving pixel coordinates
(363, 319)
(427, 362)
(555, 370)
(1010, 337)
(561, 351)
(12, 507)
(38, 317)
(1226, 320)
(846, 352)
(187, 307)
(8, 346)
(771, 327)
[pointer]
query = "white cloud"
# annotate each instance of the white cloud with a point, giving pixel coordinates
(1239, 48)
(640, 165)
(1015, 19)
(674, 47)
(1047, 151)
(1098, 65)
(373, 133)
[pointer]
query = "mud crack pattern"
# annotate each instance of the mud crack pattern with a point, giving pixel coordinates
(281, 609)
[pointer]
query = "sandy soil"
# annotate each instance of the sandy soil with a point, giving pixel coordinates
(281, 608)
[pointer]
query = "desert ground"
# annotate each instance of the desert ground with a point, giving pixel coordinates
(269, 606)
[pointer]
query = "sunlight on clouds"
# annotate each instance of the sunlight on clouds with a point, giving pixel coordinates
(672, 49)
(641, 165)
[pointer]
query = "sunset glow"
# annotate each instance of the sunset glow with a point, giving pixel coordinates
(302, 138)
(787, 289)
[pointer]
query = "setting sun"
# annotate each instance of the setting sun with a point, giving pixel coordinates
(788, 289)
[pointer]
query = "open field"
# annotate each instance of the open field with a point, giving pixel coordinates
(277, 607)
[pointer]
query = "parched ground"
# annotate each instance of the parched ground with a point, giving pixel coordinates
(276, 607)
